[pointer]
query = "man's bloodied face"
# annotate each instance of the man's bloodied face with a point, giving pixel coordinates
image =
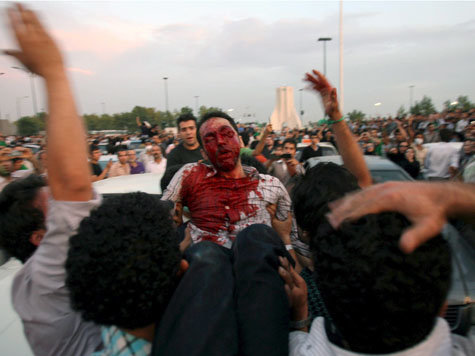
(221, 143)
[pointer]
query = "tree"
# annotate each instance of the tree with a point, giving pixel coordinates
(356, 115)
(401, 112)
(424, 107)
(28, 125)
(204, 110)
(464, 103)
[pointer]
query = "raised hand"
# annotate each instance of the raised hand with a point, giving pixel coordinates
(38, 52)
(319, 83)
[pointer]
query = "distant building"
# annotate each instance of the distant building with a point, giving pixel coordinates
(7, 127)
(284, 111)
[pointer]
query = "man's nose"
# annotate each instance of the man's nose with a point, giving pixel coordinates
(221, 139)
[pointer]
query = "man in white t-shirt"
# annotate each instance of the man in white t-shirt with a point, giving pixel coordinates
(159, 163)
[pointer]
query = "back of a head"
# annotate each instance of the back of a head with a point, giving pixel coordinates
(445, 135)
(313, 191)
(380, 299)
(122, 264)
(19, 218)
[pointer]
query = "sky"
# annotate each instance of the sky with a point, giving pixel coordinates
(234, 54)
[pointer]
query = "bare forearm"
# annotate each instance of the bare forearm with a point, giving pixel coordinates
(350, 152)
(68, 168)
(459, 199)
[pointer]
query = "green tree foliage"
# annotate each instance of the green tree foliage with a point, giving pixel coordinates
(204, 110)
(424, 107)
(356, 115)
(401, 112)
(29, 125)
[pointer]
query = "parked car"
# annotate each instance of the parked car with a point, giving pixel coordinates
(460, 313)
(146, 182)
(327, 149)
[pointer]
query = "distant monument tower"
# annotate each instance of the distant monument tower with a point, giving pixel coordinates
(284, 111)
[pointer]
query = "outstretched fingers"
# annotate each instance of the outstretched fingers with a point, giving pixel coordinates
(419, 233)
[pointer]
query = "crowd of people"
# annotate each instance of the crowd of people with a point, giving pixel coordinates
(126, 276)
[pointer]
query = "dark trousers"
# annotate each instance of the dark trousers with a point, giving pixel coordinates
(229, 302)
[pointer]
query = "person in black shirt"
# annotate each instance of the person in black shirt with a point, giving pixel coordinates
(97, 172)
(313, 150)
(189, 150)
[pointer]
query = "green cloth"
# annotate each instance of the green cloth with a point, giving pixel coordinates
(246, 151)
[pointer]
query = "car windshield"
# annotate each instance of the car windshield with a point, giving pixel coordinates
(382, 176)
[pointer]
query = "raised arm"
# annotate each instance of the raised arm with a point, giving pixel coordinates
(350, 152)
(68, 169)
(260, 146)
(137, 120)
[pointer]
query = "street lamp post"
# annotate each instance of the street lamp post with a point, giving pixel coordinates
(103, 105)
(33, 90)
(197, 98)
(324, 40)
(301, 101)
(166, 93)
(18, 105)
(411, 91)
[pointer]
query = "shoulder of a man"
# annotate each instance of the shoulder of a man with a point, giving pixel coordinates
(39, 293)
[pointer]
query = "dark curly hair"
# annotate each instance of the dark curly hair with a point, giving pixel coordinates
(19, 218)
(380, 299)
(315, 189)
(122, 264)
(210, 115)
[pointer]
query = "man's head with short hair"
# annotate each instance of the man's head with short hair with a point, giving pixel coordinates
(122, 156)
(95, 152)
(445, 135)
(187, 131)
(132, 156)
(380, 299)
(218, 135)
(156, 152)
(123, 262)
(290, 146)
(22, 219)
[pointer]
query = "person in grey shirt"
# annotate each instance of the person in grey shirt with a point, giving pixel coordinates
(36, 222)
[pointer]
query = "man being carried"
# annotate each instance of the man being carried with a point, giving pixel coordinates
(189, 150)
(225, 197)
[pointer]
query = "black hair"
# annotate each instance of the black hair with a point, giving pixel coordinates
(319, 185)
(122, 264)
(19, 218)
(291, 141)
(380, 299)
(184, 118)
(249, 160)
(445, 135)
(212, 114)
(93, 148)
(168, 175)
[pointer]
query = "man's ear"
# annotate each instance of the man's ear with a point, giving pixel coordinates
(37, 236)
(203, 154)
(183, 267)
